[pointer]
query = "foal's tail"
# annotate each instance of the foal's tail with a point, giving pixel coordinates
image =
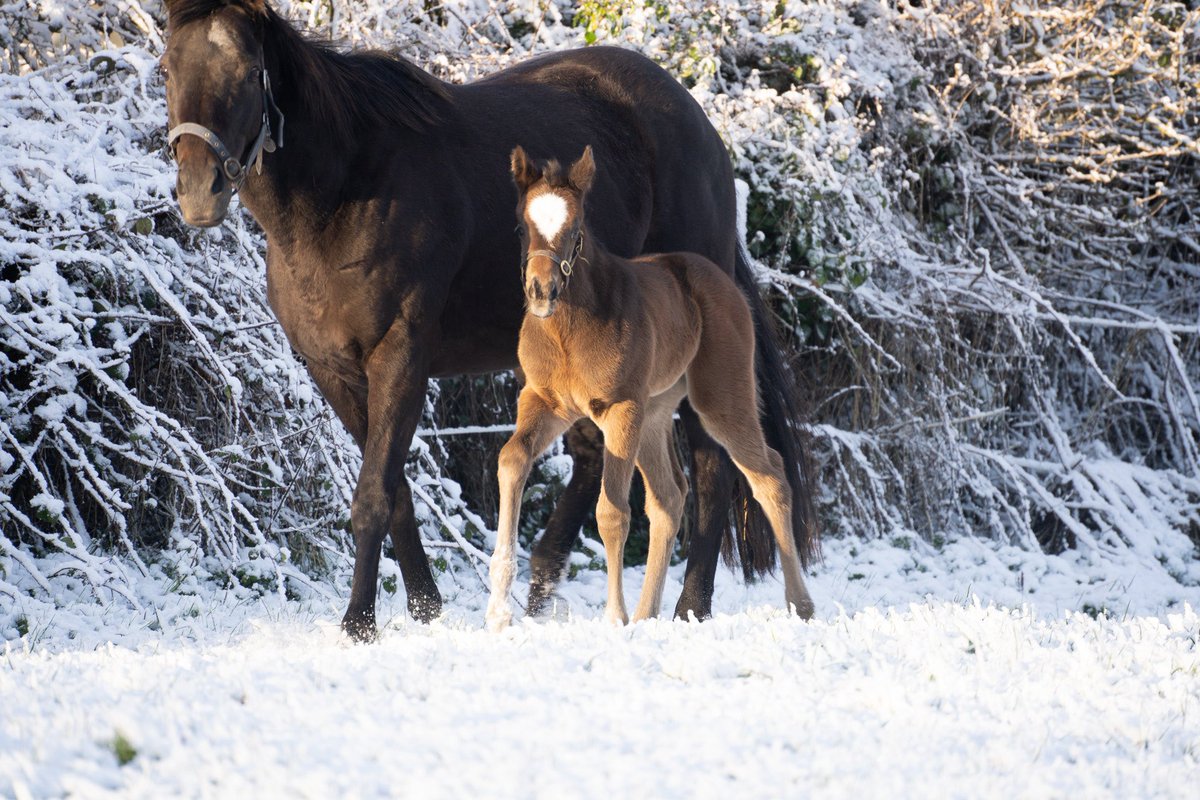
(782, 425)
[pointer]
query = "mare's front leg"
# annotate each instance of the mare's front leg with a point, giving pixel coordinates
(621, 424)
(548, 561)
(397, 375)
(537, 427)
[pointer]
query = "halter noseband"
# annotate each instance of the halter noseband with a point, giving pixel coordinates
(565, 265)
(234, 170)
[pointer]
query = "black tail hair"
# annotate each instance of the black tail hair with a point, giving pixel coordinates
(783, 426)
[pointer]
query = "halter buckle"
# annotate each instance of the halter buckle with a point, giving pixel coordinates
(234, 169)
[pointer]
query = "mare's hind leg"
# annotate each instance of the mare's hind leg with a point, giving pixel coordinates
(729, 412)
(537, 427)
(621, 424)
(548, 560)
(666, 489)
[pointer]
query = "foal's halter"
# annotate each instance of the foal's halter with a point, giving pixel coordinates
(235, 171)
(566, 265)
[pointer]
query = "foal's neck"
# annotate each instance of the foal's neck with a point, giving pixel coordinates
(589, 288)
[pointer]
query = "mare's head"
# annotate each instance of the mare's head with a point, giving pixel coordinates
(550, 213)
(219, 105)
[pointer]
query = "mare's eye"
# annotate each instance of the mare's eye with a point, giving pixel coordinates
(519, 230)
(162, 68)
(255, 74)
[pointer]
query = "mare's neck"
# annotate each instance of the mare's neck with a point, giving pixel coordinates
(332, 148)
(301, 182)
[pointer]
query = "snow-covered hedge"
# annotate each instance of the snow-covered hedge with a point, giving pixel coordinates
(976, 220)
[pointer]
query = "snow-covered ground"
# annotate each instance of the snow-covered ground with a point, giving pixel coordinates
(967, 671)
(961, 669)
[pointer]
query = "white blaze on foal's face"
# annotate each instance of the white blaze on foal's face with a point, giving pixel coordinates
(548, 213)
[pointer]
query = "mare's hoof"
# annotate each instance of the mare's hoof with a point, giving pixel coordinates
(425, 609)
(543, 582)
(359, 627)
(689, 608)
(539, 600)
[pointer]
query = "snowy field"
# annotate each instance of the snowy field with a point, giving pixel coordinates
(956, 668)
(964, 672)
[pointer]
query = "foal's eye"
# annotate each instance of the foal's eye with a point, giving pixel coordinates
(519, 230)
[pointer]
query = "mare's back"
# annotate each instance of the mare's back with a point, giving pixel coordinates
(645, 126)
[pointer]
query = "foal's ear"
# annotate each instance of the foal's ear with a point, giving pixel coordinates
(524, 173)
(583, 171)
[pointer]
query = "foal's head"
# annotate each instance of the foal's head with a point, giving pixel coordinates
(550, 210)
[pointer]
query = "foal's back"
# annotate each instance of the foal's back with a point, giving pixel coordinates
(693, 308)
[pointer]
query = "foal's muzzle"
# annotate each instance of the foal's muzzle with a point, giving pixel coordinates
(541, 296)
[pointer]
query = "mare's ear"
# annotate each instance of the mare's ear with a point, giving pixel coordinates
(253, 8)
(524, 173)
(583, 171)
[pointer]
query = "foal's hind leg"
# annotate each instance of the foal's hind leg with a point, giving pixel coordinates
(666, 489)
(537, 427)
(729, 412)
(763, 468)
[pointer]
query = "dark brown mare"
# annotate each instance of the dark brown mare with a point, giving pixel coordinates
(391, 254)
(622, 342)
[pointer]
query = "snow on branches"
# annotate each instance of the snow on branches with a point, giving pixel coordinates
(976, 220)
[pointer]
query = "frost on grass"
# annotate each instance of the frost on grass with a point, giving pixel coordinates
(976, 222)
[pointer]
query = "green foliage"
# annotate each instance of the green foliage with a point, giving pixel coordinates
(122, 748)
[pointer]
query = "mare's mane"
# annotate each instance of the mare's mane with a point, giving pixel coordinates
(346, 91)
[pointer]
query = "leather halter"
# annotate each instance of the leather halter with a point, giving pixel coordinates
(234, 170)
(565, 265)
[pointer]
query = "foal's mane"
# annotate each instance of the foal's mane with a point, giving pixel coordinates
(344, 90)
(553, 172)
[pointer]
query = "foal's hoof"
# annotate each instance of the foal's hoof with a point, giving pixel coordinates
(498, 619)
(803, 609)
(360, 627)
(425, 608)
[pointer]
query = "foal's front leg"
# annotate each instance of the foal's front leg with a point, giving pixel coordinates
(537, 427)
(622, 427)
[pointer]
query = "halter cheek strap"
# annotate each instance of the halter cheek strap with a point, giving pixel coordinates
(234, 170)
(565, 265)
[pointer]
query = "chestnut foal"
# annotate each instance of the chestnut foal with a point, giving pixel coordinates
(623, 342)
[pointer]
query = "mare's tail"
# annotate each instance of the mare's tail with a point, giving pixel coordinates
(782, 425)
